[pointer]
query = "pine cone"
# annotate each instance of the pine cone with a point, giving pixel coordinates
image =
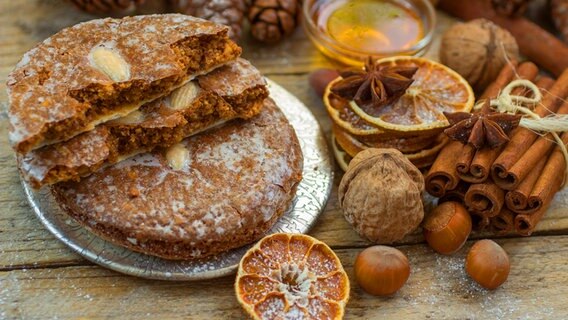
(272, 20)
(559, 11)
(107, 6)
(228, 12)
(510, 8)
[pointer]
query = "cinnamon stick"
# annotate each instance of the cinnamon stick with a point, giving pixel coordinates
(442, 175)
(540, 149)
(525, 224)
(457, 194)
(464, 162)
(534, 42)
(504, 222)
(479, 221)
(485, 198)
(474, 165)
(517, 200)
(543, 191)
(523, 139)
(481, 164)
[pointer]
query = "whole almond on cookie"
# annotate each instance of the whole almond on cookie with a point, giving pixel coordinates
(134, 117)
(184, 95)
(110, 63)
(177, 155)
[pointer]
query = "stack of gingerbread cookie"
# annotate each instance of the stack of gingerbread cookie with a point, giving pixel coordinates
(154, 134)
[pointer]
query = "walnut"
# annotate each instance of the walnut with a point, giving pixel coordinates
(478, 50)
(381, 195)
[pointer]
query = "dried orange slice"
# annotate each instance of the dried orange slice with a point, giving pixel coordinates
(342, 157)
(436, 89)
(292, 276)
(342, 115)
(404, 145)
(347, 142)
(345, 148)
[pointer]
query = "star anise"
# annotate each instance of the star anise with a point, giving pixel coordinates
(483, 128)
(376, 85)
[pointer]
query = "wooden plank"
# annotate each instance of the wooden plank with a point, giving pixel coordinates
(437, 288)
(45, 279)
(47, 287)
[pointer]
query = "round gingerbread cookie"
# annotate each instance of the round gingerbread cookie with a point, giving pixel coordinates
(210, 193)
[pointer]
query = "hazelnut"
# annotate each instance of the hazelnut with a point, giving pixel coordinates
(319, 79)
(487, 264)
(381, 270)
(447, 227)
(381, 195)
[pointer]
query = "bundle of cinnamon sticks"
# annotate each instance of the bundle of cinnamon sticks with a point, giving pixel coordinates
(509, 188)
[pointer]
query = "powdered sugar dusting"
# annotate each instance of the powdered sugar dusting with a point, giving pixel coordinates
(447, 276)
(37, 163)
(232, 78)
(241, 173)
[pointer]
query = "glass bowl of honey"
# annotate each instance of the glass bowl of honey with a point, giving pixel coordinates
(350, 31)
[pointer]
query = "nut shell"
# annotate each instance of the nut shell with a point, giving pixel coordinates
(381, 270)
(447, 227)
(478, 50)
(488, 264)
(381, 195)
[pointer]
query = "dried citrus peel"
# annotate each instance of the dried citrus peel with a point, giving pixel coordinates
(292, 276)
(336, 116)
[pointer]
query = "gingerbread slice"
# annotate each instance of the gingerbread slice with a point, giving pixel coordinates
(104, 69)
(210, 193)
(236, 90)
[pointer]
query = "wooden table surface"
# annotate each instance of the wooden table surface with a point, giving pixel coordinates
(41, 278)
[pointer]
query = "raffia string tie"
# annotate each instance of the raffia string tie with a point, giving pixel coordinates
(553, 124)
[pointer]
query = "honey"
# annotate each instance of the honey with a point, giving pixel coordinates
(370, 25)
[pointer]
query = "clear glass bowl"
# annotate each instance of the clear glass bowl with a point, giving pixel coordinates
(348, 55)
